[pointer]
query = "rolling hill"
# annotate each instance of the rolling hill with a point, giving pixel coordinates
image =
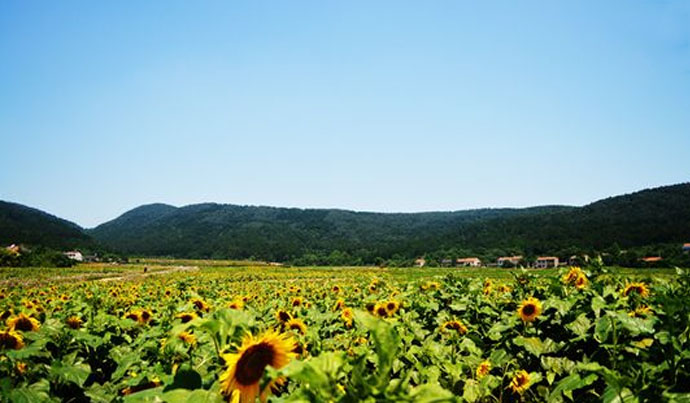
(660, 215)
(25, 225)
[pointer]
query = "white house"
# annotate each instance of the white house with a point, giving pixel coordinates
(75, 255)
(469, 262)
(546, 261)
(513, 260)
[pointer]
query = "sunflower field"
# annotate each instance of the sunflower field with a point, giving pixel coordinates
(242, 334)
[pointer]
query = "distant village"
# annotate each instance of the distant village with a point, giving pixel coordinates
(540, 262)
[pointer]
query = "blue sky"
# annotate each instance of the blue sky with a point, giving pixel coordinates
(379, 106)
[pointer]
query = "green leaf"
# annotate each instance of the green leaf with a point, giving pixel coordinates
(36, 392)
(535, 346)
(65, 373)
(602, 329)
(580, 326)
(185, 378)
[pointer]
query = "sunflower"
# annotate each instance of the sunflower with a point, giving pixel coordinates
(245, 368)
(581, 281)
(370, 306)
(483, 369)
(21, 368)
(504, 289)
(339, 304)
(639, 288)
(392, 307)
(454, 325)
(133, 315)
(296, 324)
(6, 314)
(144, 316)
(186, 316)
(520, 381)
(572, 275)
(187, 338)
(335, 289)
(236, 304)
(200, 305)
(9, 339)
(347, 316)
(488, 285)
(297, 301)
(23, 322)
(300, 349)
(283, 316)
(74, 322)
(641, 311)
(529, 309)
(380, 310)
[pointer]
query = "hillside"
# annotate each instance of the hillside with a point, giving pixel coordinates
(660, 215)
(25, 225)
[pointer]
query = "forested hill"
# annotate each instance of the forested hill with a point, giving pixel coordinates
(660, 215)
(25, 225)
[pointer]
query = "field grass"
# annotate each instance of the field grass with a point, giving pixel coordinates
(178, 332)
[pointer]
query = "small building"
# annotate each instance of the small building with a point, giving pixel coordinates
(511, 260)
(75, 255)
(652, 259)
(420, 262)
(13, 249)
(544, 262)
(686, 247)
(469, 262)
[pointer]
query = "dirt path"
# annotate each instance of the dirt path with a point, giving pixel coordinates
(138, 274)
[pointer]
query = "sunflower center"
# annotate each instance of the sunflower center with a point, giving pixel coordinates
(528, 310)
(250, 367)
(24, 324)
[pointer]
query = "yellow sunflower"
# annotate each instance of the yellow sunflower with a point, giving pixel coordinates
(529, 309)
(380, 310)
(639, 288)
(187, 337)
(283, 316)
(236, 304)
(371, 307)
(347, 316)
(581, 281)
(201, 305)
(572, 275)
(520, 381)
(24, 323)
(186, 316)
(483, 369)
(297, 301)
(454, 325)
(74, 322)
(392, 307)
(296, 324)
(245, 368)
(339, 304)
(641, 311)
(9, 339)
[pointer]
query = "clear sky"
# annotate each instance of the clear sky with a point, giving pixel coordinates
(371, 105)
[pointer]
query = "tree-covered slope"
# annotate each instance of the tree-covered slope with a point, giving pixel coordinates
(217, 230)
(25, 225)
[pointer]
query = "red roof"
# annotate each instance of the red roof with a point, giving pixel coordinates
(547, 258)
(652, 259)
